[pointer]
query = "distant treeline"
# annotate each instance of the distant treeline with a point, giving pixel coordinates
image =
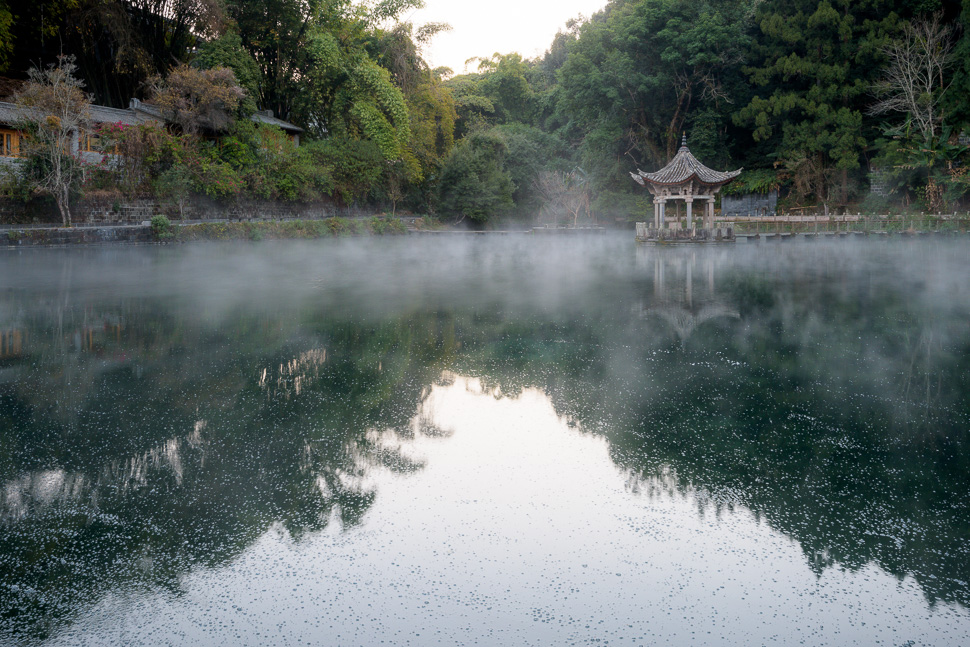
(818, 98)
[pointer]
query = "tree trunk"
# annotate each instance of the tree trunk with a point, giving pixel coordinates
(63, 205)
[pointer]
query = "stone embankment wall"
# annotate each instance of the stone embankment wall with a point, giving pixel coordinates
(112, 212)
(76, 236)
(13, 237)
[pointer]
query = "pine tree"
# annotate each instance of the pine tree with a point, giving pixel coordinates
(818, 59)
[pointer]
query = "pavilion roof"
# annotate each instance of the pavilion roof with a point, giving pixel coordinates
(683, 168)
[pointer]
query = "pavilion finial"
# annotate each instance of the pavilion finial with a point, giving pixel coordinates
(683, 141)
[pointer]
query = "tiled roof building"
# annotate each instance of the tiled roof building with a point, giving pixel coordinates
(684, 178)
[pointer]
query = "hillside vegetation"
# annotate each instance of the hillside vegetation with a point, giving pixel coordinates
(813, 97)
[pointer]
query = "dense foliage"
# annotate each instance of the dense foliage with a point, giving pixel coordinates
(815, 97)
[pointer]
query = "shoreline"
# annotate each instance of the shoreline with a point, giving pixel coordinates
(39, 236)
(149, 233)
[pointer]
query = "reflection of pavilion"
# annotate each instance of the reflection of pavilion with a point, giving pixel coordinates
(684, 293)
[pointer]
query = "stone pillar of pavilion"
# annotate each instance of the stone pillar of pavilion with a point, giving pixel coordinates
(659, 212)
(684, 178)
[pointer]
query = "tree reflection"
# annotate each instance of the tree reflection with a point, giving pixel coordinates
(798, 401)
(186, 451)
(140, 439)
(820, 431)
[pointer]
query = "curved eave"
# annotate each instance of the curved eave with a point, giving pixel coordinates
(692, 176)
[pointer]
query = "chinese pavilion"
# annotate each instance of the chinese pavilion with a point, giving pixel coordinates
(684, 178)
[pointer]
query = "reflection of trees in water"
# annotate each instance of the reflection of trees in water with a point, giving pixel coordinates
(218, 437)
(175, 443)
(807, 404)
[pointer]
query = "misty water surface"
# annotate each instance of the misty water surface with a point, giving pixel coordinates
(486, 441)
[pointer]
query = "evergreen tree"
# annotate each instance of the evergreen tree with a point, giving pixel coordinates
(474, 181)
(816, 63)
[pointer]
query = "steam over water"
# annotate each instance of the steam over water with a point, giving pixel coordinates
(486, 441)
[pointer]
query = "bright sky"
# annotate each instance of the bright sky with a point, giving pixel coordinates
(483, 28)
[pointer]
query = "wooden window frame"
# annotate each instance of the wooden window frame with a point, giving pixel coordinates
(10, 142)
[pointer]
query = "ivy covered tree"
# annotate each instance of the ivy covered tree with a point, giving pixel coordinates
(431, 111)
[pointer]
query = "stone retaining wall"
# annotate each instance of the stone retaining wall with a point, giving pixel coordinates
(79, 236)
(107, 211)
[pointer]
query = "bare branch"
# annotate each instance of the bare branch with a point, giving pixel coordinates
(563, 193)
(54, 110)
(913, 82)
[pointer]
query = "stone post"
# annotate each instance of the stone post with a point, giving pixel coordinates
(690, 213)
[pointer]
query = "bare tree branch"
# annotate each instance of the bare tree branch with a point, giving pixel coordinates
(54, 109)
(563, 193)
(914, 81)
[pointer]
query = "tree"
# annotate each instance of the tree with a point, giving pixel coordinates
(507, 86)
(430, 107)
(816, 62)
(302, 47)
(175, 187)
(501, 92)
(54, 109)
(955, 101)
(6, 37)
(350, 95)
(228, 51)
(117, 44)
(639, 73)
(531, 152)
(474, 182)
(564, 193)
(915, 79)
(198, 100)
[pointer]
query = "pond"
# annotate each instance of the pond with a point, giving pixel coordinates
(486, 441)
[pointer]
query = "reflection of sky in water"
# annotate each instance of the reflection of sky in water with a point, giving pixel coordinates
(520, 530)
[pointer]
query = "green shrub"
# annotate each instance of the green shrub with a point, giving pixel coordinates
(875, 204)
(754, 181)
(474, 181)
(352, 168)
(382, 225)
(255, 231)
(162, 228)
(378, 225)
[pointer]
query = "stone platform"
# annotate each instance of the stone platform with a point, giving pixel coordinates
(647, 234)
